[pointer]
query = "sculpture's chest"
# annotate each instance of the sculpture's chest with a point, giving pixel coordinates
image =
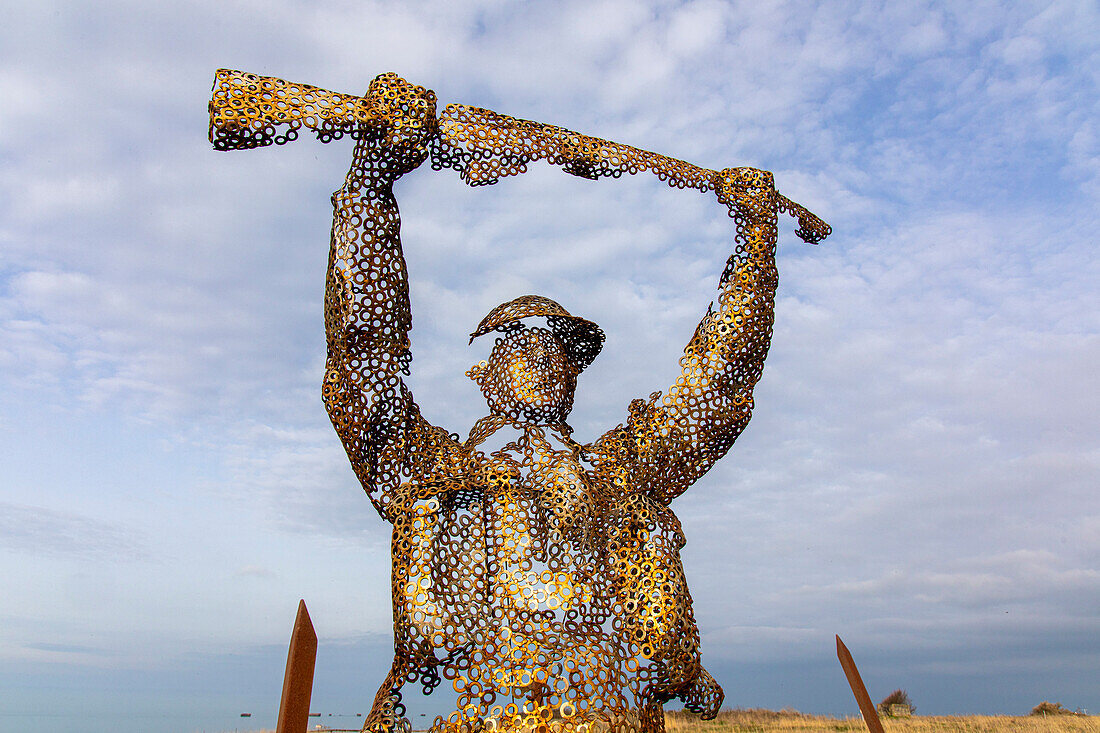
(554, 488)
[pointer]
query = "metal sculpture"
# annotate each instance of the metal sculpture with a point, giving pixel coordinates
(543, 580)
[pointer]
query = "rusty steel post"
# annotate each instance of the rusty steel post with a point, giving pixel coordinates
(858, 689)
(298, 680)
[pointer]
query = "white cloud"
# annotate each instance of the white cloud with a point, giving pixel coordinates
(38, 530)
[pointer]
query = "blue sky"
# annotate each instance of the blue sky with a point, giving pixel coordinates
(920, 473)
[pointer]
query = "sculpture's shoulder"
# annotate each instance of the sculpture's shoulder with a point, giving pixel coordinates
(612, 462)
(455, 473)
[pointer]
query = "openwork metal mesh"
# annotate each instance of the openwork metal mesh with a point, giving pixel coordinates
(542, 581)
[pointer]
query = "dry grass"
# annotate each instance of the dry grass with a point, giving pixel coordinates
(789, 721)
(764, 721)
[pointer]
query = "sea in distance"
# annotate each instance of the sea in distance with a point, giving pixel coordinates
(166, 722)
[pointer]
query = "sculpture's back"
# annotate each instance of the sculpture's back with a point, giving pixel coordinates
(542, 580)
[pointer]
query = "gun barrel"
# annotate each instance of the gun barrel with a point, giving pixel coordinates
(251, 111)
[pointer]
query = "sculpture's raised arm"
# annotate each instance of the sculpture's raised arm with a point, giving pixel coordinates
(670, 441)
(367, 314)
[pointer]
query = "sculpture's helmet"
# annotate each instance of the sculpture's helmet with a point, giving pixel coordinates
(581, 339)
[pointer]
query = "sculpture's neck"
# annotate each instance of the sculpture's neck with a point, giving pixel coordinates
(533, 441)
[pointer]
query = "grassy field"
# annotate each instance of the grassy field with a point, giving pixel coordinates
(763, 721)
(789, 721)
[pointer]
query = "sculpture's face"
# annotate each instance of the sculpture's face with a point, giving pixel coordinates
(528, 376)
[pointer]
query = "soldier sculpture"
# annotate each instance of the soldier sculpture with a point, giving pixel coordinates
(542, 580)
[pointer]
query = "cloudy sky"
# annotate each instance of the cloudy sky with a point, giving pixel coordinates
(920, 475)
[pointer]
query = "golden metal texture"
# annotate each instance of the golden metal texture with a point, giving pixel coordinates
(541, 580)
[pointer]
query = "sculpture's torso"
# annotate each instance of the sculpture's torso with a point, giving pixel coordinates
(538, 628)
